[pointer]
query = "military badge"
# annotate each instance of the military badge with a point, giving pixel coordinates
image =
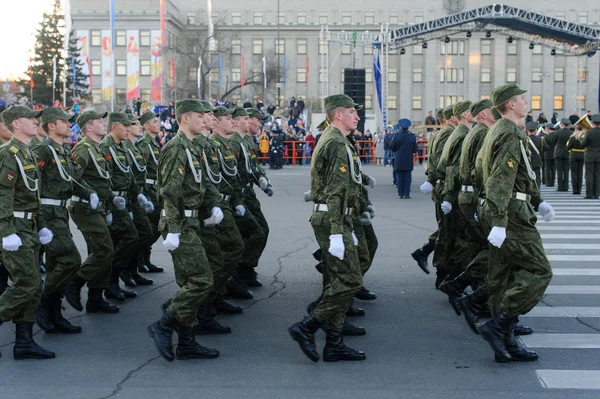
(343, 168)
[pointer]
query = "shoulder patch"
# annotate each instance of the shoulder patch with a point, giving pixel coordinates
(511, 163)
(14, 149)
(10, 177)
(180, 169)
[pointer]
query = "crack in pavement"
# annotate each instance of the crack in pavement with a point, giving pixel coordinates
(546, 303)
(406, 223)
(587, 325)
(276, 280)
(127, 377)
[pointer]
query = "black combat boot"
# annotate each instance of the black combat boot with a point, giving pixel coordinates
(471, 306)
(139, 279)
(113, 291)
(25, 347)
(207, 324)
(97, 304)
(421, 255)
(127, 278)
(3, 279)
(522, 330)
(252, 278)
(61, 325)
(365, 295)
(304, 333)
(517, 352)
(152, 268)
(162, 333)
(335, 349)
(441, 275)
(73, 293)
(188, 348)
(223, 307)
(454, 289)
(43, 315)
(353, 331)
(494, 331)
(354, 311)
(237, 287)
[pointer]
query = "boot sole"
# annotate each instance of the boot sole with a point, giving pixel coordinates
(167, 356)
(354, 359)
(211, 332)
(353, 314)
(515, 360)
(298, 339)
(425, 268)
(30, 356)
(102, 311)
(179, 357)
(229, 312)
(63, 331)
(354, 333)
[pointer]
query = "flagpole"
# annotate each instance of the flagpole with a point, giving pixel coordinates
(53, 80)
(199, 75)
(278, 63)
(112, 55)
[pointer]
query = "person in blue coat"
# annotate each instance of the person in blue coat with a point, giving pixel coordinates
(404, 145)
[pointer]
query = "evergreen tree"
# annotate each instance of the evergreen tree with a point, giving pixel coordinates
(80, 90)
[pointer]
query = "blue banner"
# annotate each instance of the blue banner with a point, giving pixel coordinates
(112, 24)
(377, 78)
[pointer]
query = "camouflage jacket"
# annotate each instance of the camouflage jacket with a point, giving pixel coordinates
(91, 170)
(150, 150)
(230, 185)
(57, 170)
(470, 148)
(210, 166)
(449, 164)
(257, 170)
(121, 168)
(242, 154)
(436, 153)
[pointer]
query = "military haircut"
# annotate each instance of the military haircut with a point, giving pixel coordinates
(503, 108)
(178, 117)
(331, 113)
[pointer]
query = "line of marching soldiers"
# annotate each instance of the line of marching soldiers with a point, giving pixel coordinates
(122, 192)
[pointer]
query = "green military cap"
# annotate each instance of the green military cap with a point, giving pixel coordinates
(595, 118)
(190, 105)
(132, 118)
(448, 112)
(120, 117)
(531, 126)
(87, 116)
(340, 100)
(254, 113)
(222, 111)
(502, 94)
(146, 117)
(480, 105)
(52, 114)
(208, 105)
(496, 114)
(440, 113)
(461, 106)
(565, 121)
(239, 111)
(17, 112)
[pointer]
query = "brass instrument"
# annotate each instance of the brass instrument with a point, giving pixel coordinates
(323, 125)
(584, 122)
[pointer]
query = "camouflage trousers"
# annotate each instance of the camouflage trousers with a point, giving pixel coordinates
(519, 271)
(62, 256)
(253, 236)
(439, 254)
(192, 273)
(342, 278)
(145, 232)
(477, 269)
(125, 239)
(367, 244)
(253, 205)
(20, 302)
(232, 245)
(214, 255)
(96, 269)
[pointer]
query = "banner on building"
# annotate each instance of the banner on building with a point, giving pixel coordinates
(133, 65)
(156, 65)
(107, 66)
(83, 46)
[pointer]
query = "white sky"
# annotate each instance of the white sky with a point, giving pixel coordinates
(19, 20)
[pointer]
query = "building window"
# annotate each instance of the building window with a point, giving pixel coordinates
(301, 46)
(323, 18)
(192, 73)
(536, 74)
(121, 38)
(582, 74)
(191, 48)
(419, 17)
(346, 49)
(369, 102)
(369, 18)
(322, 75)
(558, 102)
(301, 18)
(347, 18)
(236, 75)
(417, 75)
(511, 75)
(121, 67)
(191, 18)
(582, 17)
(257, 46)
(486, 47)
(392, 75)
(301, 75)
(96, 67)
(417, 49)
(455, 47)
(369, 75)
(257, 74)
(452, 75)
(257, 18)
(280, 46)
(144, 38)
(121, 96)
(537, 49)
(536, 102)
(511, 48)
(145, 95)
(560, 15)
(392, 102)
(323, 45)
(236, 18)
(145, 67)
(417, 102)
(236, 46)
(281, 18)
(484, 97)
(581, 102)
(96, 38)
(559, 74)
(97, 96)
(368, 50)
(214, 75)
(394, 19)
(486, 75)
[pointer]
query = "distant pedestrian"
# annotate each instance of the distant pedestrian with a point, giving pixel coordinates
(404, 145)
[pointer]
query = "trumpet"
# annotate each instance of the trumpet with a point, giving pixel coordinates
(584, 122)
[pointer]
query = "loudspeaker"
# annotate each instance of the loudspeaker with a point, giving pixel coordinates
(354, 86)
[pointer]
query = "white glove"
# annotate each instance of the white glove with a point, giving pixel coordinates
(354, 238)
(120, 203)
(308, 196)
(149, 207)
(446, 207)
(172, 241)
(11, 243)
(45, 236)
(217, 213)
(263, 183)
(240, 210)
(371, 181)
(497, 236)
(476, 217)
(131, 215)
(109, 219)
(365, 218)
(269, 191)
(336, 246)
(371, 210)
(546, 210)
(426, 187)
(94, 200)
(142, 199)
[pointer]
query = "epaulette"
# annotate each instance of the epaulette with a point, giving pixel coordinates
(14, 149)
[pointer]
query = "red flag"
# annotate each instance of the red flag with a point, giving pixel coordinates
(31, 84)
(243, 67)
(172, 72)
(307, 70)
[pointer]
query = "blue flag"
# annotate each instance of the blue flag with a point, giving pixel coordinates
(112, 24)
(378, 80)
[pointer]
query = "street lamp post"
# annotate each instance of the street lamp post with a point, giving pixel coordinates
(278, 58)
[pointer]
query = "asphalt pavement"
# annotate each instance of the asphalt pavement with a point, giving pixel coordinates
(416, 346)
